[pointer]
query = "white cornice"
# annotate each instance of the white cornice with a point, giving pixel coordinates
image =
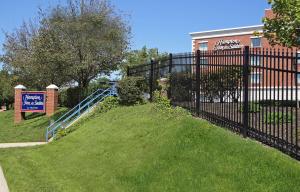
(52, 86)
(227, 32)
(20, 87)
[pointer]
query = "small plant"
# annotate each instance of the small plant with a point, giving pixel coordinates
(163, 104)
(107, 104)
(131, 90)
(61, 133)
(274, 118)
(253, 107)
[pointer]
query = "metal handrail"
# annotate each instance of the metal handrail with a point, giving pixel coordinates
(79, 110)
(78, 105)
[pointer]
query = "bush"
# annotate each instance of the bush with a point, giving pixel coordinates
(281, 103)
(163, 104)
(253, 107)
(72, 96)
(131, 90)
(107, 104)
(160, 102)
(62, 132)
(180, 83)
(274, 118)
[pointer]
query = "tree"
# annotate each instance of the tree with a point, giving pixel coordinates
(143, 56)
(284, 28)
(6, 88)
(77, 42)
(96, 37)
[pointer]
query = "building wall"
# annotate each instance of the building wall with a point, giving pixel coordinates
(269, 78)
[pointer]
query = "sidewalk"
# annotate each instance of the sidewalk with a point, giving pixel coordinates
(3, 184)
(25, 144)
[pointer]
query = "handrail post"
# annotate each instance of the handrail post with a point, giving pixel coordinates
(245, 91)
(198, 82)
(46, 136)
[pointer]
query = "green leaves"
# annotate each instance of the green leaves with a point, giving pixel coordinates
(138, 57)
(283, 29)
(6, 88)
(74, 42)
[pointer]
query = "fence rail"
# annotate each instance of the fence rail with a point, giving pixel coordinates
(254, 92)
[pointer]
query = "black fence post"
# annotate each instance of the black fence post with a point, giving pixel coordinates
(198, 82)
(170, 63)
(151, 79)
(245, 91)
(170, 75)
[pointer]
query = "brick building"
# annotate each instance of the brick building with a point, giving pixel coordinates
(236, 37)
(231, 39)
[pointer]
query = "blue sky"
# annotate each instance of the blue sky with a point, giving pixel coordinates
(163, 24)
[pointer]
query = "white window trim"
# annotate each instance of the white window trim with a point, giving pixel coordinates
(203, 43)
(255, 37)
(298, 82)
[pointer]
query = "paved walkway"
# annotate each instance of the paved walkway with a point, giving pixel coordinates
(3, 184)
(26, 144)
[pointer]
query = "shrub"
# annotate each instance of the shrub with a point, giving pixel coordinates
(253, 107)
(281, 103)
(180, 83)
(69, 97)
(107, 104)
(61, 133)
(72, 96)
(131, 90)
(160, 102)
(275, 117)
(163, 104)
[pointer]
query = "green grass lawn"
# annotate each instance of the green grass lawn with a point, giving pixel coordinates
(33, 129)
(137, 149)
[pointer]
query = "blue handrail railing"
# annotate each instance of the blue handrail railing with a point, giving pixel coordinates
(74, 113)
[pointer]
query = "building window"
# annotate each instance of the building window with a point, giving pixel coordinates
(298, 58)
(256, 42)
(298, 78)
(255, 78)
(203, 61)
(255, 60)
(203, 46)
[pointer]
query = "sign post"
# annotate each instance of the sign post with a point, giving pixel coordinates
(52, 100)
(19, 115)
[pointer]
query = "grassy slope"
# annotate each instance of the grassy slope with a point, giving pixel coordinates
(135, 149)
(32, 129)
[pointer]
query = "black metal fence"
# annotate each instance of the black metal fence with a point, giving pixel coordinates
(251, 91)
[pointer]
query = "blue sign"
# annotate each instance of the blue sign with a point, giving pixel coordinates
(33, 101)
